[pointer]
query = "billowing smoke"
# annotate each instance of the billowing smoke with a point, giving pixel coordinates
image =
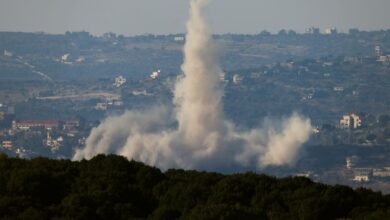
(203, 138)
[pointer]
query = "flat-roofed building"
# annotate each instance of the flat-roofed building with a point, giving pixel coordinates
(27, 124)
(7, 145)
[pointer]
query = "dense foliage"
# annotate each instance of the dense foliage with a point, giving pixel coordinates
(111, 187)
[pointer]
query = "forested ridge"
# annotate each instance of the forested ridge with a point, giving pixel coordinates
(111, 187)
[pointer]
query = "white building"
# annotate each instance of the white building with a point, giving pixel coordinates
(7, 53)
(312, 30)
(80, 59)
(331, 30)
(155, 74)
(351, 162)
(362, 174)
(54, 144)
(237, 79)
(361, 178)
(357, 121)
(345, 122)
(65, 57)
(378, 51)
(179, 38)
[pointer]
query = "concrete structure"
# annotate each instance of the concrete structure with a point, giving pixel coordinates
(345, 122)
(350, 121)
(54, 144)
(118, 103)
(120, 81)
(383, 59)
(222, 77)
(71, 124)
(384, 172)
(338, 89)
(27, 124)
(312, 30)
(7, 53)
(331, 30)
(357, 121)
(179, 38)
(155, 74)
(237, 79)
(361, 178)
(65, 57)
(378, 51)
(351, 162)
(362, 174)
(7, 145)
(101, 106)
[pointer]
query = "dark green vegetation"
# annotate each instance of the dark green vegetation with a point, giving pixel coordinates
(111, 187)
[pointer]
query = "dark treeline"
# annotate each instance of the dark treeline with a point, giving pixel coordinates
(111, 187)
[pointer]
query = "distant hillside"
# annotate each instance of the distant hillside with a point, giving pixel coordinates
(79, 55)
(111, 187)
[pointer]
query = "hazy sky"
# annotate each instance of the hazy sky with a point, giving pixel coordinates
(131, 17)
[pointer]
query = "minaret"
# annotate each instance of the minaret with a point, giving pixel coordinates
(48, 141)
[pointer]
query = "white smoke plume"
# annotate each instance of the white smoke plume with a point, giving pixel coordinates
(203, 138)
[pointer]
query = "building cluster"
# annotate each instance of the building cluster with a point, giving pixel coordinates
(28, 124)
(53, 134)
(381, 55)
(315, 30)
(53, 143)
(236, 78)
(108, 103)
(351, 121)
(365, 174)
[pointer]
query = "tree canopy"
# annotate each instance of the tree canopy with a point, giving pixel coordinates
(112, 187)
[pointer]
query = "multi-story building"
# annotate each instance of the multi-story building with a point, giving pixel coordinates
(378, 51)
(312, 30)
(331, 30)
(362, 174)
(383, 58)
(7, 145)
(350, 121)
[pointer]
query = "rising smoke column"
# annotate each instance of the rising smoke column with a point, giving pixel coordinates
(203, 139)
(198, 95)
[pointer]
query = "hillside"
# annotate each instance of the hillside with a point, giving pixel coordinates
(81, 56)
(111, 187)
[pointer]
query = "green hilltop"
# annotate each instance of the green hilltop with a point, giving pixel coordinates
(112, 187)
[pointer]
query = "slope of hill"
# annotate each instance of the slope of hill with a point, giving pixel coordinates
(79, 55)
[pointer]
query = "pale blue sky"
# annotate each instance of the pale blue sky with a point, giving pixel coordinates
(132, 17)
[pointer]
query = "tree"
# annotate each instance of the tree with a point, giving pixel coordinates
(384, 120)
